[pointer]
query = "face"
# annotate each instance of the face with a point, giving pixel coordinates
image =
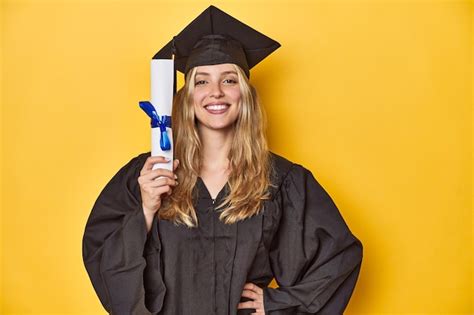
(216, 96)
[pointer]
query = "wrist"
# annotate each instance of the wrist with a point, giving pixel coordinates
(148, 212)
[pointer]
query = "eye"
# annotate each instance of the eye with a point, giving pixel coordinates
(230, 81)
(199, 82)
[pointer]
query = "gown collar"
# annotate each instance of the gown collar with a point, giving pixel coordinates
(203, 192)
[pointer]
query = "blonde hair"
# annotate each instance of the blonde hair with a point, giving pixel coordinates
(250, 166)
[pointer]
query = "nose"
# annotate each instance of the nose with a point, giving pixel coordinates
(215, 90)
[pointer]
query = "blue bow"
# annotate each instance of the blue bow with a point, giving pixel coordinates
(157, 121)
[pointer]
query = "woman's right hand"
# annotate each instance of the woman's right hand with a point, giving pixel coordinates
(151, 187)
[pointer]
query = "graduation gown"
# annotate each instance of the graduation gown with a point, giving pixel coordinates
(299, 238)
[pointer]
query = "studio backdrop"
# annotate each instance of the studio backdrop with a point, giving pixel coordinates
(374, 97)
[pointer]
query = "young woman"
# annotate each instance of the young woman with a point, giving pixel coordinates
(209, 237)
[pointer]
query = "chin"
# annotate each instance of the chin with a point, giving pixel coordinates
(219, 126)
(222, 127)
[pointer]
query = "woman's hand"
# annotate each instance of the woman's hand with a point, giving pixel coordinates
(255, 293)
(151, 187)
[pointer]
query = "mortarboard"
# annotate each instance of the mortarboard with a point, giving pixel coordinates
(215, 37)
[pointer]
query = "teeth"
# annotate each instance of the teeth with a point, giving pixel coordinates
(216, 107)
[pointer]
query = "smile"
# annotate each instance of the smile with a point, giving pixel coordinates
(217, 108)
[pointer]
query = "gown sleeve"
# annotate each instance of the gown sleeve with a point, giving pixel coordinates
(121, 259)
(314, 257)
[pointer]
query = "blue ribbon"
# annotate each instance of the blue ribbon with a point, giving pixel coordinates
(157, 121)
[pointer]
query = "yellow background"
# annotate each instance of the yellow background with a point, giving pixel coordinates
(375, 97)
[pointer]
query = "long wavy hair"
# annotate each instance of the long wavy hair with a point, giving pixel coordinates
(249, 158)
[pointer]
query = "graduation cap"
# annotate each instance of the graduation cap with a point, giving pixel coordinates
(215, 37)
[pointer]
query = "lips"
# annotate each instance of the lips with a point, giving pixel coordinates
(217, 108)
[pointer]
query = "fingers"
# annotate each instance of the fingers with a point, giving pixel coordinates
(251, 294)
(156, 188)
(150, 161)
(255, 293)
(160, 191)
(175, 164)
(152, 187)
(248, 304)
(159, 172)
(253, 287)
(161, 182)
(150, 182)
(156, 183)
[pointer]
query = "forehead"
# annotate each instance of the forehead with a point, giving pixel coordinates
(215, 69)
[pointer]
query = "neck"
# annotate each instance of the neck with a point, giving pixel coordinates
(215, 148)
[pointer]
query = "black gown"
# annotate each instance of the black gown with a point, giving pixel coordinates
(299, 238)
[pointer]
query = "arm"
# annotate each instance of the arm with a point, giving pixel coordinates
(149, 216)
(116, 247)
(314, 256)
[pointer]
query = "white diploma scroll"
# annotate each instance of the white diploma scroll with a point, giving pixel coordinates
(162, 77)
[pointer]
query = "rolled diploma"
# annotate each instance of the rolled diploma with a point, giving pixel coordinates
(162, 77)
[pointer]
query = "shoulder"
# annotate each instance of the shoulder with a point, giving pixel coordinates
(138, 161)
(282, 167)
(131, 169)
(283, 170)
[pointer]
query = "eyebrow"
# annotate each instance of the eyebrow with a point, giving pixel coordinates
(223, 73)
